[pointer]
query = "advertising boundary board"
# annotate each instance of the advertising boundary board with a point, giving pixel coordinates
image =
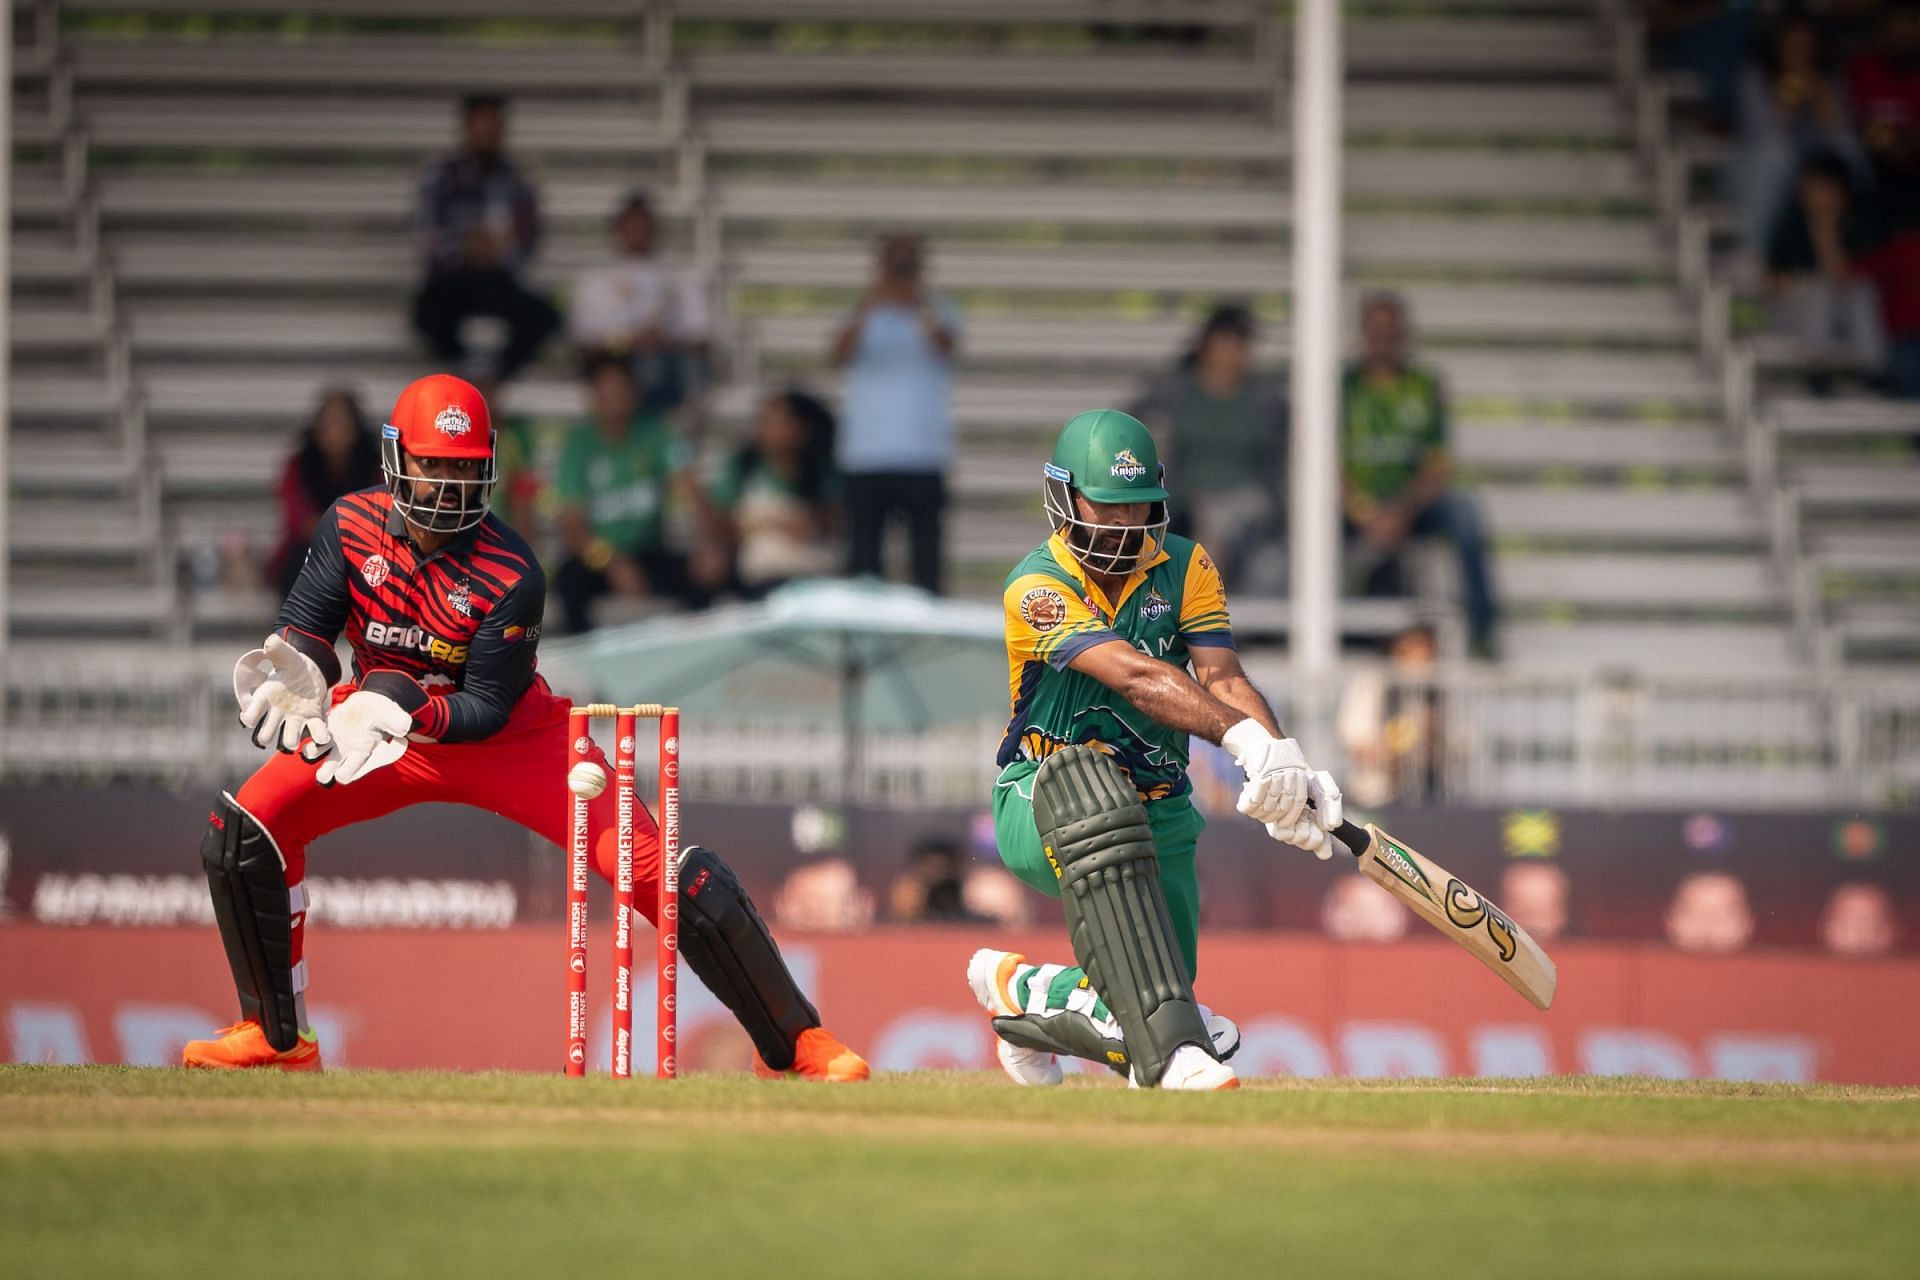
(1306, 1006)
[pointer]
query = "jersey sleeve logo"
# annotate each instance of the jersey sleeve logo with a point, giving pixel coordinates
(453, 422)
(1043, 608)
(1206, 562)
(374, 570)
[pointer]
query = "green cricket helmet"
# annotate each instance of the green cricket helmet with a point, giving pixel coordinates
(1107, 456)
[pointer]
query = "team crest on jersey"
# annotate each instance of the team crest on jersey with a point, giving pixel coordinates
(374, 570)
(1127, 467)
(1155, 606)
(453, 422)
(460, 600)
(1043, 608)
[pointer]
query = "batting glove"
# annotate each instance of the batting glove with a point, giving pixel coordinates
(1313, 829)
(1276, 789)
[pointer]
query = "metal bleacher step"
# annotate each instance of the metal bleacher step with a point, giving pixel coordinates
(1663, 582)
(77, 530)
(1506, 446)
(414, 126)
(308, 196)
(423, 65)
(1703, 648)
(1616, 516)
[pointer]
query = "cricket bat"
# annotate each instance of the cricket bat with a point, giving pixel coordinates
(1455, 908)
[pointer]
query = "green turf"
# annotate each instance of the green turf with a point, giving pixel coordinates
(118, 1172)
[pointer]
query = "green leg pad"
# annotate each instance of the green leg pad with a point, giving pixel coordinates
(1094, 830)
(1066, 1032)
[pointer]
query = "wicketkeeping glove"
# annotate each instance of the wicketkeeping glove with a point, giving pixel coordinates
(369, 731)
(283, 698)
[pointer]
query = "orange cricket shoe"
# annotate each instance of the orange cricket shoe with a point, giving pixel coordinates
(244, 1044)
(817, 1055)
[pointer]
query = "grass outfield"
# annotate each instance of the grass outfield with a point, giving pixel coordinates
(121, 1172)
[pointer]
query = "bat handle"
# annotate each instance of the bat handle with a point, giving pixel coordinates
(1354, 837)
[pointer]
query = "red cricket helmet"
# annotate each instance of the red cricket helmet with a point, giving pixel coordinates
(439, 416)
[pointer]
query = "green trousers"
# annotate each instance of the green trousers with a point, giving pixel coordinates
(1176, 832)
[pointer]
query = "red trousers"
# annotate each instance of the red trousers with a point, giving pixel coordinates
(519, 773)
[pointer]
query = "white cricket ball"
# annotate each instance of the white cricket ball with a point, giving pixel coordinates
(586, 779)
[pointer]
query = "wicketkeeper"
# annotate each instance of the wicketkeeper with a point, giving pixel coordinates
(1119, 648)
(441, 604)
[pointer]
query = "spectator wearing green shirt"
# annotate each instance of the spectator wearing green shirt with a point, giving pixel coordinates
(1396, 482)
(1224, 425)
(778, 501)
(618, 473)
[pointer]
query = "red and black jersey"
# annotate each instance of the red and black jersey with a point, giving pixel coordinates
(450, 636)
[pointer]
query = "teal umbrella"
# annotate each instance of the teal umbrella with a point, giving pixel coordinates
(877, 658)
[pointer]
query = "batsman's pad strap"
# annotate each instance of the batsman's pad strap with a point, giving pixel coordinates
(1095, 830)
(1066, 1031)
(727, 945)
(251, 904)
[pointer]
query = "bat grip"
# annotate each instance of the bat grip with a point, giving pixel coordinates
(1354, 837)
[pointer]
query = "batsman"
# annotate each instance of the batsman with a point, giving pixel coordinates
(441, 605)
(1119, 648)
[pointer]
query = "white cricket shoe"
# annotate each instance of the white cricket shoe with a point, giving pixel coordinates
(1223, 1031)
(1192, 1068)
(990, 974)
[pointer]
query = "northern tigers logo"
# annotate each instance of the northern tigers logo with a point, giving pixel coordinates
(1126, 466)
(453, 422)
(1043, 608)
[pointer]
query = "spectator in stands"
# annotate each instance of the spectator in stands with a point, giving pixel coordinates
(1358, 910)
(479, 222)
(337, 455)
(1534, 894)
(1895, 271)
(1822, 295)
(1709, 913)
(618, 475)
(778, 499)
(896, 437)
(1397, 479)
(1858, 920)
(1884, 83)
(823, 896)
(1707, 38)
(932, 889)
(996, 894)
(1389, 724)
(1791, 104)
(639, 306)
(1225, 428)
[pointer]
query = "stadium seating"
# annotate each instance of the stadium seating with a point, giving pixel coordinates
(1838, 476)
(212, 205)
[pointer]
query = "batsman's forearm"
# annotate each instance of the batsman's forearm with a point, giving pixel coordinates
(1238, 692)
(1171, 696)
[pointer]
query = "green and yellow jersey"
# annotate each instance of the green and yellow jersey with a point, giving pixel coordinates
(1054, 612)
